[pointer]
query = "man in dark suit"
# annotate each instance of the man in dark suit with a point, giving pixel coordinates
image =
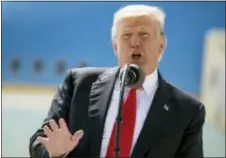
(159, 120)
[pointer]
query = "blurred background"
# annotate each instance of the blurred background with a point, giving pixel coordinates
(42, 40)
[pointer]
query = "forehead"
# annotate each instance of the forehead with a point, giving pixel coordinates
(141, 22)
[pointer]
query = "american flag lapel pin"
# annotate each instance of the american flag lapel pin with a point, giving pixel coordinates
(166, 107)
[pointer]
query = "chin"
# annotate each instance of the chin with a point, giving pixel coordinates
(137, 62)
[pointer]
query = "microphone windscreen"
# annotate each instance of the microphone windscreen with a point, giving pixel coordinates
(135, 76)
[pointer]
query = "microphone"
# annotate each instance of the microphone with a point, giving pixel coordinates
(134, 76)
(131, 76)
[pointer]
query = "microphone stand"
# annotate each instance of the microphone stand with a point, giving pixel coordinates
(119, 116)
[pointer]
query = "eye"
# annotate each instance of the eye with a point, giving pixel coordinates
(144, 34)
(126, 35)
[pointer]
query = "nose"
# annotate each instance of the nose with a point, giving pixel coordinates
(135, 41)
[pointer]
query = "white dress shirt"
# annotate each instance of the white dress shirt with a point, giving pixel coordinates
(144, 100)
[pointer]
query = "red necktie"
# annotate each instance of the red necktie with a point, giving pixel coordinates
(127, 127)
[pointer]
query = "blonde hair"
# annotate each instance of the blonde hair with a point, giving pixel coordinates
(138, 10)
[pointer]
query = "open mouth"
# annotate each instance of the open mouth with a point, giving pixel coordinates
(136, 56)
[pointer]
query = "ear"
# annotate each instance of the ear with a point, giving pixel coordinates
(162, 47)
(163, 44)
(114, 46)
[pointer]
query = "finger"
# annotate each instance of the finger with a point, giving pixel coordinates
(75, 139)
(53, 125)
(47, 131)
(63, 124)
(42, 140)
(78, 135)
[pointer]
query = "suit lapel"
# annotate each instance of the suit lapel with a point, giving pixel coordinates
(156, 118)
(100, 95)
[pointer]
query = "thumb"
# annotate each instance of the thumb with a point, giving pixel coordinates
(76, 137)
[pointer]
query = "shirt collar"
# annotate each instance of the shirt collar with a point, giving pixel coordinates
(151, 83)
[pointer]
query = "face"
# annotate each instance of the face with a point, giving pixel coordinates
(139, 41)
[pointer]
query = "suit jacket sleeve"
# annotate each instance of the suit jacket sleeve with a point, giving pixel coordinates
(192, 144)
(59, 109)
